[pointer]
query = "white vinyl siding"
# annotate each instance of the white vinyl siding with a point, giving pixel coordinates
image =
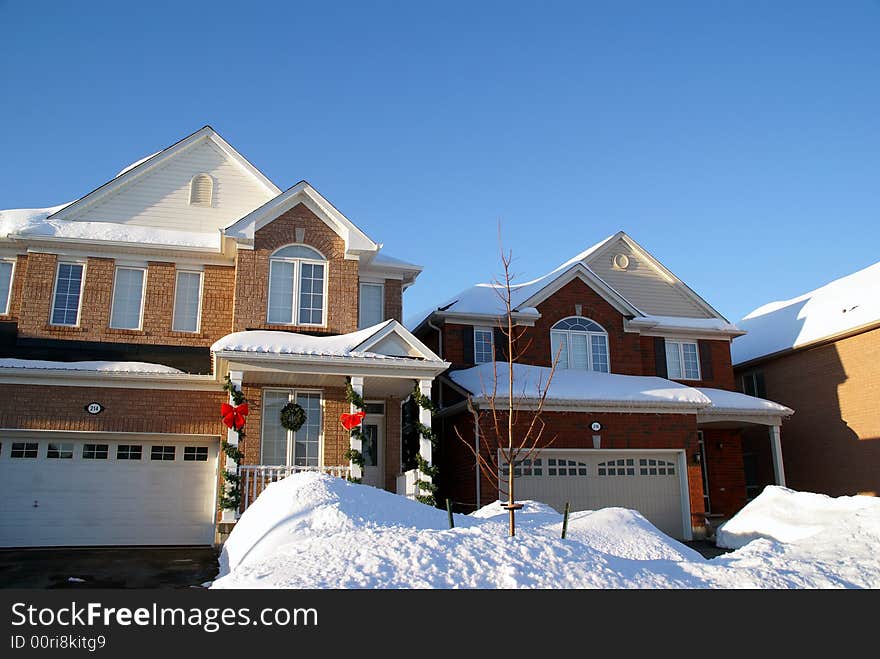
(160, 197)
(682, 360)
(297, 287)
(187, 301)
(580, 343)
(68, 294)
(484, 339)
(6, 268)
(280, 446)
(371, 306)
(128, 298)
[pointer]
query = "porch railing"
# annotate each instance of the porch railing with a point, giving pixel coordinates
(255, 478)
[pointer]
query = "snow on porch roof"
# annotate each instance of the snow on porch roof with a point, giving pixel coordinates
(732, 401)
(97, 366)
(577, 386)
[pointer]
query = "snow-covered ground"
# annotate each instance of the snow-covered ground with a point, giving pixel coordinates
(314, 531)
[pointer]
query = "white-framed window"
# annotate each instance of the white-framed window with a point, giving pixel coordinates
(24, 450)
(67, 299)
(95, 451)
(201, 190)
(162, 452)
(59, 451)
(682, 360)
(129, 451)
(297, 286)
(7, 267)
(127, 309)
(187, 301)
(581, 344)
(195, 453)
(279, 446)
(484, 340)
(371, 305)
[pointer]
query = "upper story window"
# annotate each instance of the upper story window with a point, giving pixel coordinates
(127, 311)
(201, 190)
(484, 340)
(371, 305)
(187, 301)
(682, 360)
(68, 293)
(6, 268)
(297, 286)
(753, 384)
(580, 343)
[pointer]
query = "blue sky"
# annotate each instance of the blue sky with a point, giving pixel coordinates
(739, 142)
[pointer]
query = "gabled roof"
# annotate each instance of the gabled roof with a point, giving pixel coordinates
(844, 306)
(137, 170)
(356, 241)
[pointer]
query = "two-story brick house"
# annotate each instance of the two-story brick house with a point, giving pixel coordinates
(642, 407)
(125, 311)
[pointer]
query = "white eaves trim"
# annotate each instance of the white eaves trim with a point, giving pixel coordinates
(108, 379)
(356, 241)
(700, 328)
(156, 160)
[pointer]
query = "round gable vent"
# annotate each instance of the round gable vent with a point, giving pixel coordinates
(621, 261)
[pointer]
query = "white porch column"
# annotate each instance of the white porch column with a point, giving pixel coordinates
(425, 448)
(357, 385)
(230, 514)
(776, 449)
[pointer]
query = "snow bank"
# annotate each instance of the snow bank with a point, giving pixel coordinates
(840, 306)
(104, 366)
(788, 516)
(578, 385)
(314, 531)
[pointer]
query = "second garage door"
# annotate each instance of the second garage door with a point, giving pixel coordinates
(69, 492)
(649, 482)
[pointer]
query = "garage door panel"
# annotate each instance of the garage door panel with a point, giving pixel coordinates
(647, 482)
(110, 501)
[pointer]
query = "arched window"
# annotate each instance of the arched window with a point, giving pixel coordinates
(201, 190)
(297, 286)
(580, 343)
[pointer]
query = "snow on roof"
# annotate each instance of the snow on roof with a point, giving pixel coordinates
(580, 386)
(102, 366)
(381, 259)
(136, 163)
(682, 323)
(16, 220)
(733, 401)
(842, 305)
(290, 343)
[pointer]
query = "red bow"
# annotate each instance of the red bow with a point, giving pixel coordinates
(349, 421)
(234, 417)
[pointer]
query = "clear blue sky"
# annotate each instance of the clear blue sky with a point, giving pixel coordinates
(738, 141)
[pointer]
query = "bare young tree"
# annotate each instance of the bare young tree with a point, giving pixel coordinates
(508, 442)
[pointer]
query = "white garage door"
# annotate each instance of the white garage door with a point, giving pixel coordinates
(106, 492)
(649, 482)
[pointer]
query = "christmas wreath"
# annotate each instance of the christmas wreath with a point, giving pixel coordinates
(293, 416)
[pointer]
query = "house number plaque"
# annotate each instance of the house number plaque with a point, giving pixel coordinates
(94, 408)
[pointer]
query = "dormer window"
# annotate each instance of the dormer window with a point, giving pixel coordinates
(201, 190)
(580, 343)
(297, 286)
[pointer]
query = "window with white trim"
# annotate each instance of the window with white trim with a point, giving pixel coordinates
(651, 467)
(62, 451)
(682, 360)
(24, 450)
(195, 453)
(484, 340)
(279, 446)
(187, 301)
(581, 344)
(297, 286)
(618, 467)
(68, 292)
(128, 452)
(95, 451)
(371, 305)
(6, 268)
(163, 453)
(128, 298)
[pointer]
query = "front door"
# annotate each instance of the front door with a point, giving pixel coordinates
(374, 450)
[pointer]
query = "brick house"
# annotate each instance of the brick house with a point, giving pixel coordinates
(642, 406)
(820, 354)
(125, 311)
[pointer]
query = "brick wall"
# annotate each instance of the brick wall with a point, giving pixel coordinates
(394, 300)
(37, 285)
(252, 273)
(724, 464)
(832, 442)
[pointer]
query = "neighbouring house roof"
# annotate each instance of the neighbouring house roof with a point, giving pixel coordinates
(587, 388)
(840, 307)
(101, 366)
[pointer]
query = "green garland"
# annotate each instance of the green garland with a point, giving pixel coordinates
(231, 497)
(293, 416)
(427, 489)
(352, 454)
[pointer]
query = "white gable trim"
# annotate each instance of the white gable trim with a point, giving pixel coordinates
(591, 279)
(115, 185)
(661, 269)
(393, 327)
(356, 241)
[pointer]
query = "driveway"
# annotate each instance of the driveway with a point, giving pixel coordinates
(117, 567)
